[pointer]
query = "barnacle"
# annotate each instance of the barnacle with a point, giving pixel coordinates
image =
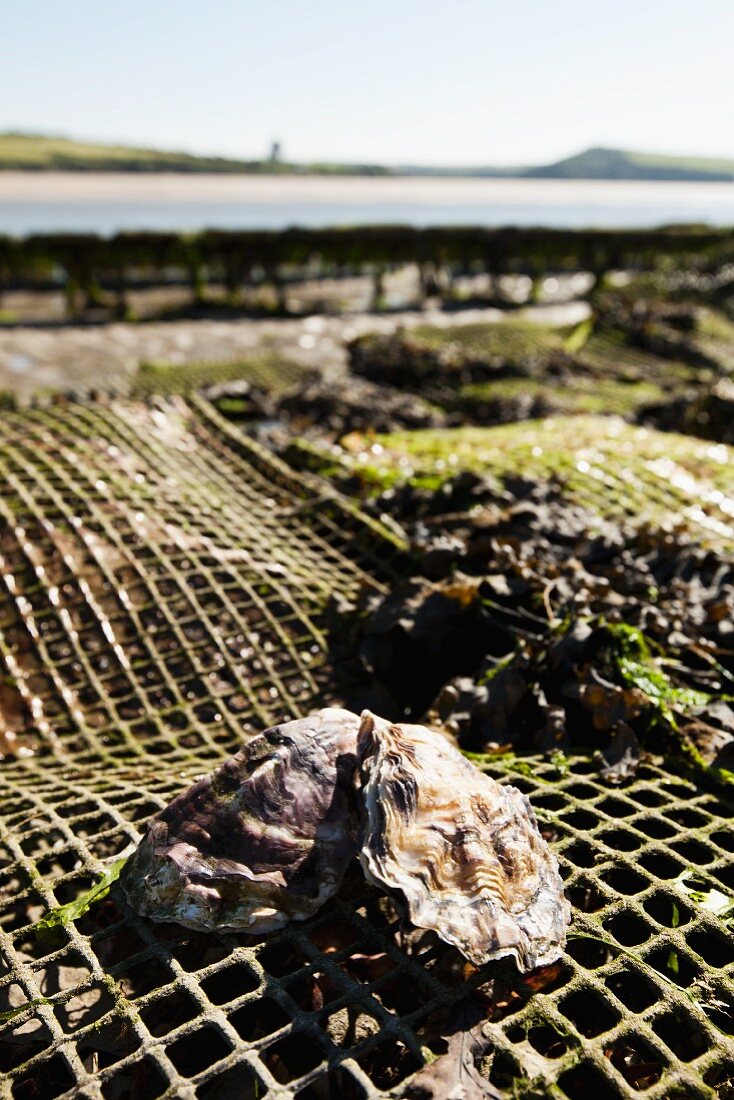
(464, 851)
(265, 839)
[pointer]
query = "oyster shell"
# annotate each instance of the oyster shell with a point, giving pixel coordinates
(463, 850)
(265, 839)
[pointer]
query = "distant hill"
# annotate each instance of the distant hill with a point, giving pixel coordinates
(33, 152)
(616, 164)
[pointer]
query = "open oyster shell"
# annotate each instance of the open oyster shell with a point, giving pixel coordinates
(463, 850)
(265, 839)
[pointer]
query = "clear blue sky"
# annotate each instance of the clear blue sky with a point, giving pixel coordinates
(460, 82)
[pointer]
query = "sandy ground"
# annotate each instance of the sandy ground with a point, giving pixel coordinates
(107, 356)
(81, 187)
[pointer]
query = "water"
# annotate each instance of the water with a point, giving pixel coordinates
(91, 202)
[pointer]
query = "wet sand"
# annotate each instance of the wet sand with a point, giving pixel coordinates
(177, 186)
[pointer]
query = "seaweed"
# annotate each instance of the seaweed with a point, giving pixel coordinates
(73, 910)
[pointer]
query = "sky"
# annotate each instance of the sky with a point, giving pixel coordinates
(383, 81)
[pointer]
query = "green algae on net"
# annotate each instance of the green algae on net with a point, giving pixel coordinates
(67, 914)
(620, 471)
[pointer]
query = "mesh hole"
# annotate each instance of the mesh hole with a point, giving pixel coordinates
(281, 958)
(588, 953)
(627, 928)
(640, 1066)
(647, 797)
(724, 839)
(624, 880)
(578, 819)
(116, 948)
(107, 1045)
(142, 1081)
(545, 979)
(674, 965)
(586, 897)
(547, 1041)
(667, 909)
(84, 1007)
(656, 828)
(197, 1050)
(694, 852)
(635, 992)
(22, 913)
(615, 807)
(581, 790)
(197, 953)
(21, 1043)
(581, 854)
(70, 890)
(552, 802)
(230, 983)
(45, 1081)
(725, 874)
(349, 1026)
(388, 1062)
(143, 977)
(505, 1071)
(401, 994)
(716, 950)
(720, 1011)
(621, 840)
(166, 1013)
(584, 1080)
(368, 968)
(661, 865)
(293, 1056)
(103, 914)
(721, 1078)
(717, 807)
(58, 863)
(259, 1018)
(312, 991)
(689, 819)
(679, 790)
(240, 1082)
(683, 1035)
(589, 1014)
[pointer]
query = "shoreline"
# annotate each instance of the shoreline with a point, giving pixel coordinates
(107, 203)
(49, 186)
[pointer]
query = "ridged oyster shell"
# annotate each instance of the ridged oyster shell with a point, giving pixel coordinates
(265, 839)
(463, 850)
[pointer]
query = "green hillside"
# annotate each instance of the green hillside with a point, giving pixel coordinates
(600, 163)
(30, 151)
(34, 152)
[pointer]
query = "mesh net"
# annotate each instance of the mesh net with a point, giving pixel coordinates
(265, 369)
(164, 584)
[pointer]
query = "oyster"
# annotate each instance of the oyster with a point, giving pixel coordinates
(265, 839)
(463, 850)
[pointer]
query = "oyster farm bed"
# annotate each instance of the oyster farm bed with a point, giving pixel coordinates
(449, 533)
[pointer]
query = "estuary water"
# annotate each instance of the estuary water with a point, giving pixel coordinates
(105, 203)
